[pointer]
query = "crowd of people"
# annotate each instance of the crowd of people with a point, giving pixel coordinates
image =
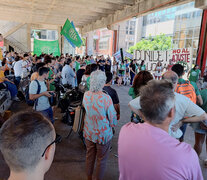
(149, 147)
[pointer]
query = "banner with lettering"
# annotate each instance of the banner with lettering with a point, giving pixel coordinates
(46, 47)
(182, 56)
(71, 34)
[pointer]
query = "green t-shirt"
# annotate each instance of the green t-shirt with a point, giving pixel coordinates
(204, 97)
(52, 85)
(193, 84)
(88, 62)
(131, 93)
(88, 82)
(143, 67)
(194, 74)
(77, 66)
(122, 69)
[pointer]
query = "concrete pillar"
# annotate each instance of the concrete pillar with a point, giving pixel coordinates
(60, 39)
(89, 39)
(202, 4)
(138, 29)
(28, 37)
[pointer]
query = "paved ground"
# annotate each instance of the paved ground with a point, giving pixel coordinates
(69, 161)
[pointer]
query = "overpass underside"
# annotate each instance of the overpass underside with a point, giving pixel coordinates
(87, 15)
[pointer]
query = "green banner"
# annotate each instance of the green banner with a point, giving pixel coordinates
(46, 47)
(71, 34)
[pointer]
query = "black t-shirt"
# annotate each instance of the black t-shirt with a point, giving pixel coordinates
(133, 67)
(101, 64)
(112, 93)
(79, 74)
(107, 68)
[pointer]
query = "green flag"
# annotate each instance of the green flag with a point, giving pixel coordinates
(46, 47)
(71, 34)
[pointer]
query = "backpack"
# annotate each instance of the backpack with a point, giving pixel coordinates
(27, 99)
(186, 89)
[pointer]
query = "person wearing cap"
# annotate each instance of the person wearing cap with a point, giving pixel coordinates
(68, 75)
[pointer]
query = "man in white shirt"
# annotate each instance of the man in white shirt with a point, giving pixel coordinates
(184, 108)
(17, 70)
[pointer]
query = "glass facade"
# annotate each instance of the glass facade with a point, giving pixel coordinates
(187, 23)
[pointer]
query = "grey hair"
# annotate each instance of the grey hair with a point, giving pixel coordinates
(156, 100)
(170, 76)
(97, 81)
(23, 139)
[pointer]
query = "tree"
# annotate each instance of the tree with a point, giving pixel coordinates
(159, 42)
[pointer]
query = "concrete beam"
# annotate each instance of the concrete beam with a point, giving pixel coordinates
(140, 8)
(11, 31)
(44, 26)
(202, 4)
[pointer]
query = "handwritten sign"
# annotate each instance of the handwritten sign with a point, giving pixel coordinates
(182, 56)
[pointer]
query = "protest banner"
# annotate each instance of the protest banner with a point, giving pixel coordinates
(181, 56)
(117, 55)
(47, 47)
(71, 34)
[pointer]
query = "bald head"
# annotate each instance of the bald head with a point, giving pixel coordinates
(171, 76)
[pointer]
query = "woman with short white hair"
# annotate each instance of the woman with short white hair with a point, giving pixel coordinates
(99, 120)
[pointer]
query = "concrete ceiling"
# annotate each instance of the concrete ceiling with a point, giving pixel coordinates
(55, 12)
(86, 14)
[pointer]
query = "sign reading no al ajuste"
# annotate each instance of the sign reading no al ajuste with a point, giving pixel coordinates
(176, 55)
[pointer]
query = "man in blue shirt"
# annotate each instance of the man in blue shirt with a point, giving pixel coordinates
(68, 75)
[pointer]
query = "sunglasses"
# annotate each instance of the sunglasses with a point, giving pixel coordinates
(57, 140)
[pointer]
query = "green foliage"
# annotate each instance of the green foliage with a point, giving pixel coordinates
(84, 41)
(158, 43)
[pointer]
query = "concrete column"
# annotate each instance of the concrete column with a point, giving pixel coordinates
(138, 29)
(89, 49)
(202, 4)
(60, 39)
(28, 37)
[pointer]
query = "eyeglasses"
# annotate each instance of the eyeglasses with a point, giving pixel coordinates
(57, 140)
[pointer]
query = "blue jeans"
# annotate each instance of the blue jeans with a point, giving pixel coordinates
(49, 114)
(132, 77)
(183, 129)
(12, 88)
(17, 81)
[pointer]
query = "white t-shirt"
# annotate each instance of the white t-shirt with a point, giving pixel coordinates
(184, 107)
(18, 68)
(24, 70)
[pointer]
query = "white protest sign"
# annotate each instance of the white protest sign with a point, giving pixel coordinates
(182, 56)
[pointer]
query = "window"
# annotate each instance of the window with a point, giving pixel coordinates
(176, 36)
(131, 32)
(196, 32)
(131, 44)
(195, 43)
(104, 43)
(190, 33)
(188, 43)
(182, 34)
(181, 44)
